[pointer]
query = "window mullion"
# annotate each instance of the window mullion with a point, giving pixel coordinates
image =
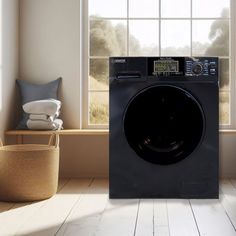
(232, 54)
(127, 36)
(191, 28)
(160, 27)
(85, 48)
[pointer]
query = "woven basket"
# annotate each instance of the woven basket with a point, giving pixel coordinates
(29, 172)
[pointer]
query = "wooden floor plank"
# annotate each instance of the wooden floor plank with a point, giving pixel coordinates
(19, 213)
(48, 218)
(83, 209)
(228, 200)
(211, 218)
(161, 221)
(119, 218)
(233, 181)
(181, 219)
(85, 216)
(145, 218)
(12, 220)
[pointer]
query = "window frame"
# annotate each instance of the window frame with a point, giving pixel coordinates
(85, 57)
(232, 54)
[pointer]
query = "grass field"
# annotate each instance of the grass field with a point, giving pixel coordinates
(99, 107)
(224, 108)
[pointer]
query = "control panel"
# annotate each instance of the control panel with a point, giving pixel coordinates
(205, 66)
(163, 68)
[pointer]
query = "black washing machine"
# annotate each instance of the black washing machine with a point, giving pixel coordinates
(164, 127)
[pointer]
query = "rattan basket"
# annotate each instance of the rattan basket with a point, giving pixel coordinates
(29, 172)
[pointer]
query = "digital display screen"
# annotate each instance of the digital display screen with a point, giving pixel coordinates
(166, 66)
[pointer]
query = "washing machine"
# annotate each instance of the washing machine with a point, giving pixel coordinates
(163, 140)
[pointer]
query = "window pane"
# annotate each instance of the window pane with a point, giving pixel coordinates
(108, 8)
(98, 108)
(211, 8)
(210, 37)
(175, 38)
(98, 76)
(175, 9)
(224, 108)
(108, 37)
(224, 73)
(143, 38)
(143, 8)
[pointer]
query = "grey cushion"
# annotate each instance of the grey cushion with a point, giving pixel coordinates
(32, 92)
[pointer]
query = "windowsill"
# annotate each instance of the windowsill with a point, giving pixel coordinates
(228, 131)
(83, 132)
(61, 132)
(78, 132)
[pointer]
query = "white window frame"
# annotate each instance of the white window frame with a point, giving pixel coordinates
(232, 52)
(84, 61)
(85, 68)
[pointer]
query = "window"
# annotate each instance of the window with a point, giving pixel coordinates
(153, 28)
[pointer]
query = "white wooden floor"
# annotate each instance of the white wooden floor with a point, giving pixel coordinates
(82, 208)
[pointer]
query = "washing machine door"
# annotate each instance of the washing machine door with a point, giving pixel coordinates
(164, 124)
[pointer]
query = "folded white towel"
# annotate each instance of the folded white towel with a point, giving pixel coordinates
(43, 116)
(48, 106)
(44, 125)
(39, 117)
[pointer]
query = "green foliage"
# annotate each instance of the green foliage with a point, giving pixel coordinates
(103, 38)
(219, 35)
(121, 35)
(99, 69)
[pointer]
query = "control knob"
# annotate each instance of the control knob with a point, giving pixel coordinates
(197, 68)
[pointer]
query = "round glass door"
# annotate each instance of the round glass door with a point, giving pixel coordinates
(164, 124)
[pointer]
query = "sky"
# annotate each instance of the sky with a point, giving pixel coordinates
(174, 33)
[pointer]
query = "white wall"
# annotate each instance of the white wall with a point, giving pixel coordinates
(80, 156)
(49, 47)
(228, 155)
(9, 62)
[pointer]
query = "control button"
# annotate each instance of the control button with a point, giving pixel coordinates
(212, 66)
(212, 71)
(197, 68)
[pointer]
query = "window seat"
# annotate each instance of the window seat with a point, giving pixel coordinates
(21, 133)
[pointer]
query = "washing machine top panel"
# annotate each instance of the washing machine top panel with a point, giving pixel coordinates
(164, 124)
(164, 68)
